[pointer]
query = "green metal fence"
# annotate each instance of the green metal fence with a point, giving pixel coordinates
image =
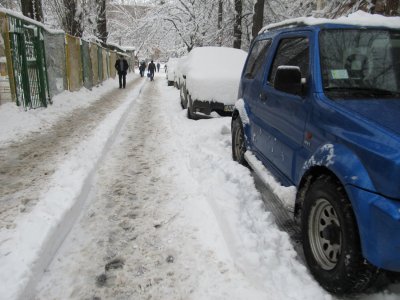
(28, 57)
(86, 65)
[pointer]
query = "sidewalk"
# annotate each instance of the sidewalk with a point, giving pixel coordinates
(45, 178)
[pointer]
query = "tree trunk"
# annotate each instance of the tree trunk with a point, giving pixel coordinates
(32, 9)
(220, 14)
(102, 33)
(385, 7)
(220, 7)
(392, 7)
(72, 21)
(258, 17)
(237, 26)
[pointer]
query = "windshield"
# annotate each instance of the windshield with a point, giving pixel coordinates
(360, 63)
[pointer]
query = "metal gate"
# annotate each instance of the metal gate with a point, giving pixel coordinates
(28, 57)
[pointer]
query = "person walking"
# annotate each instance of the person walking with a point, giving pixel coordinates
(152, 69)
(142, 68)
(158, 67)
(121, 65)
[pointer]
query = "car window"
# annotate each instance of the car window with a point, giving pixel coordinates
(257, 58)
(291, 52)
(360, 63)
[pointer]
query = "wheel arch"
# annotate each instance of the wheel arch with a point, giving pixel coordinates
(343, 165)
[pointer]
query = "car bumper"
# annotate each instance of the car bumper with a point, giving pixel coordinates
(379, 224)
(203, 109)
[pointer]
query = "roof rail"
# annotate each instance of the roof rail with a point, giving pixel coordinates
(290, 23)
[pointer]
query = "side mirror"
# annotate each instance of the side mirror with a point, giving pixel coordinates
(288, 80)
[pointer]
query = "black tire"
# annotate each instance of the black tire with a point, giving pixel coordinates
(182, 96)
(170, 83)
(190, 114)
(331, 241)
(238, 142)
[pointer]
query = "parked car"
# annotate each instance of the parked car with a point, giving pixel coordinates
(178, 79)
(211, 78)
(319, 107)
(171, 65)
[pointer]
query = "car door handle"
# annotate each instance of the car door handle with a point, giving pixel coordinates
(263, 96)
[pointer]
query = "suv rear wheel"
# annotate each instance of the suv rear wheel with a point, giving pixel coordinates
(238, 143)
(331, 240)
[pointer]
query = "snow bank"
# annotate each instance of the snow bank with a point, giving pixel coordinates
(213, 73)
(15, 123)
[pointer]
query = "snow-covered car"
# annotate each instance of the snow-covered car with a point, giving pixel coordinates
(211, 81)
(171, 65)
(178, 71)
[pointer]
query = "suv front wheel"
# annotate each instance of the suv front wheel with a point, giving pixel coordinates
(331, 241)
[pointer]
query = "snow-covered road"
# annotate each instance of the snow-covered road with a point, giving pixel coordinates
(167, 214)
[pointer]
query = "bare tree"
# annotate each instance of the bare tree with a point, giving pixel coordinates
(387, 7)
(219, 24)
(102, 21)
(258, 17)
(337, 8)
(237, 25)
(69, 14)
(11, 4)
(32, 9)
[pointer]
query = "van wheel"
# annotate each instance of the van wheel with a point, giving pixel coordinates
(238, 142)
(190, 115)
(331, 240)
(182, 96)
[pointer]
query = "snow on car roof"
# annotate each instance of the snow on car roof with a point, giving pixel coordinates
(358, 18)
(213, 73)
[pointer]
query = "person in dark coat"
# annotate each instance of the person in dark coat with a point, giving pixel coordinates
(121, 65)
(142, 68)
(151, 68)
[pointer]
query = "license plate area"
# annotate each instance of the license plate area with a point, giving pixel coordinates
(228, 108)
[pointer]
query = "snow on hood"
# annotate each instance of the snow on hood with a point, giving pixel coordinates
(213, 73)
(358, 18)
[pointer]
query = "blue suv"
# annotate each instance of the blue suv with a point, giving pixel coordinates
(319, 106)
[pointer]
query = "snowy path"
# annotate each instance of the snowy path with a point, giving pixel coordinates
(149, 230)
(168, 215)
(27, 165)
(129, 243)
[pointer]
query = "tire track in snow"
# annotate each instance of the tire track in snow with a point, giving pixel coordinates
(52, 217)
(26, 166)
